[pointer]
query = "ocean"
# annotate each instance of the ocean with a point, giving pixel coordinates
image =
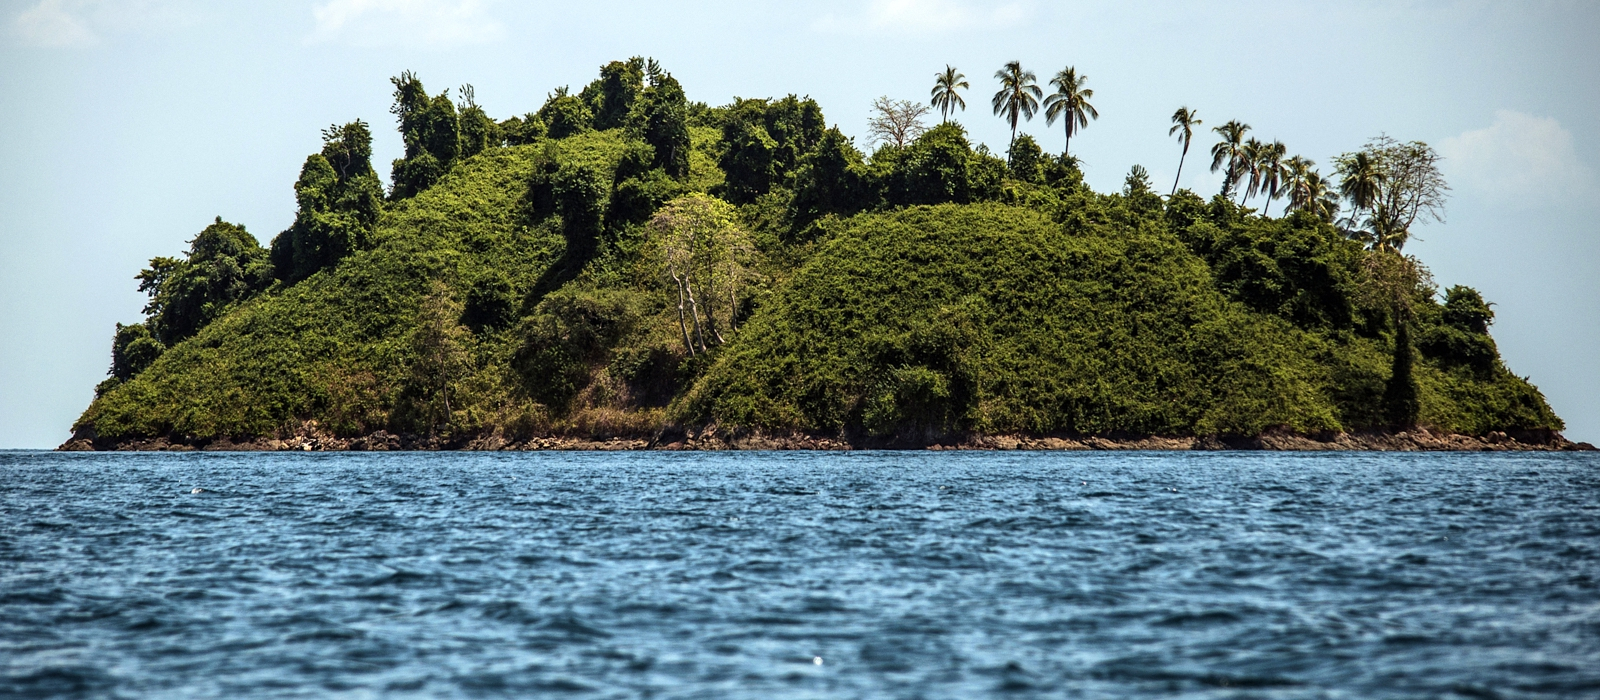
(800, 575)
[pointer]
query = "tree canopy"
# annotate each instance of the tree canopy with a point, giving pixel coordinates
(431, 130)
(339, 200)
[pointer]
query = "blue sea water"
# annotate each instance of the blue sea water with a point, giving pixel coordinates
(804, 575)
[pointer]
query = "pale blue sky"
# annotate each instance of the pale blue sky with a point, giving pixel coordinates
(129, 124)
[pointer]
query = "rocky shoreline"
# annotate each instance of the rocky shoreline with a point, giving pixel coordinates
(309, 437)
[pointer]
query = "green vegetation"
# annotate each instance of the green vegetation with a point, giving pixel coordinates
(624, 261)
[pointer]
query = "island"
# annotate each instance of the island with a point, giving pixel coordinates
(628, 269)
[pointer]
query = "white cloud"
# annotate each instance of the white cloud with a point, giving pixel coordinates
(53, 23)
(86, 22)
(925, 16)
(386, 22)
(1520, 158)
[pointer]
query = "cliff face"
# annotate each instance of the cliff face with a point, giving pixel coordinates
(1044, 316)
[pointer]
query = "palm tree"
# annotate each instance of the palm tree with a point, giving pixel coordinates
(1318, 197)
(945, 97)
(1229, 150)
(1183, 124)
(1071, 99)
(1270, 171)
(1361, 182)
(1018, 95)
(1295, 172)
(1250, 164)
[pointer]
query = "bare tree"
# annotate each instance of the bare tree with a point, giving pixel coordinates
(896, 122)
(1395, 184)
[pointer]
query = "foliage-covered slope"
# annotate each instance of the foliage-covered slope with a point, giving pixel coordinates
(335, 347)
(535, 283)
(994, 318)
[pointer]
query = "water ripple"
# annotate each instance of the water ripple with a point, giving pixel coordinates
(916, 575)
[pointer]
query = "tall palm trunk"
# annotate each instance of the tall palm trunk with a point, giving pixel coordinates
(1180, 169)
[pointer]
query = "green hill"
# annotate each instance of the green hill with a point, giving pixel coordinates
(520, 283)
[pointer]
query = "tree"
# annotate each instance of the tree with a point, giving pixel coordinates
(1295, 171)
(1359, 180)
(1461, 339)
(224, 266)
(1070, 100)
(796, 126)
(748, 154)
(567, 336)
(348, 149)
(431, 130)
(1269, 172)
(1307, 190)
(664, 122)
(1320, 198)
(478, 131)
(440, 357)
(520, 131)
(707, 255)
(1230, 152)
(1183, 124)
(763, 142)
(894, 122)
(1250, 165)
(946, 95)
(638, 188)
(565, 115)
(1018, 96)
(489, 302)
(1400, 395)
(832, 179)
(132, 350)
(940, 166)
(339, 200)
(1390, 282)
(580, 193)
(1136, 188)
(410, 98)
(1026, 160)
(1396, 184)
(611, 96)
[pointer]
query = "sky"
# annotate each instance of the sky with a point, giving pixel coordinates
(128, 125)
